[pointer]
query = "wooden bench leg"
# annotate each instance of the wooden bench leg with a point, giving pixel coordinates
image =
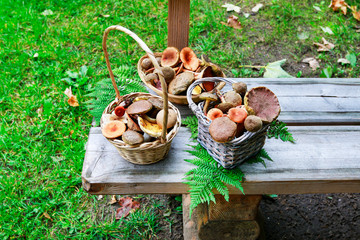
(178, 23)
(236, 219)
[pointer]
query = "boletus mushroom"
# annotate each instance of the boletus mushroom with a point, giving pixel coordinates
(225, 106)
(139, 107)
(131, 124)
(181, 83)
(253, 123)
(264, 103)
(233, 97)
(170, 57)
(113, 129)
(169, 73)
(146, 63)
(189, 58)
(222, 129)
(152, 129)
(172, 118)
(132, 138)
(240, 88)
(208, 97)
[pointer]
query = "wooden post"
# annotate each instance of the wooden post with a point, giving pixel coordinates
(178, 23)
(224, 220)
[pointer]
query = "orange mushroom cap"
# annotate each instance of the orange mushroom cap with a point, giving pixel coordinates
(113, 129)
(237, 115)
(189, 58)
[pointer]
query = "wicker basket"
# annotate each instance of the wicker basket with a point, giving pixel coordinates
(148, 152)
(234, 152)
(178, 99)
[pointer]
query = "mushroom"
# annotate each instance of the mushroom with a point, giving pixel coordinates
(253, 123)
(237, 115)
(131, 124)
(151, 77)
(170, 57)
(181, 83)
(208, 97)
(172, 118)
(222, 129)
(152, 129)
(264, 103)
(225, 106)
(196, 90)
(168, 73)
(233, 97)
(189, 58)
(113, 129)
(157, 103)
(139, 107)
(132, 138)
(214, 113)
(240, 88)
(119, 111)
(146, 63)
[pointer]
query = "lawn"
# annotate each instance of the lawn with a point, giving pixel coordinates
(43, 137)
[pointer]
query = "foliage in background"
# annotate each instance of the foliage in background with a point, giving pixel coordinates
(209, 175)
(103, 92)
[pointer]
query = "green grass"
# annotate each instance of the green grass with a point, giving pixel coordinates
(43, 138)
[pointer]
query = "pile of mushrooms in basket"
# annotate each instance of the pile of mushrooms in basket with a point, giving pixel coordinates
(137, 120)
(236, 111)
(180, 69)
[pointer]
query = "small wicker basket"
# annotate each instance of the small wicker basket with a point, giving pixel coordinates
(177, 99)
(148, 152)
(234, 152)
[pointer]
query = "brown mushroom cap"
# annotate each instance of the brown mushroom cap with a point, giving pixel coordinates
(189, 58)
(170, 57)
(157, 103)
(139, 107)
(264, 102)
(240, 88)
(181, 83)
(233, 97)
(169, 73)
(222, 129)
(208, 96)
(132, 138)
(224, 107)
(151, 77)
(113, 129)
(146, 63)
(253, 123)
(172, 118)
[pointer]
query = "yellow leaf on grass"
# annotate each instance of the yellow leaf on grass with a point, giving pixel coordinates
(72, 101)
(337, 5)
(355, 13)
(325, 46)
(233, 22)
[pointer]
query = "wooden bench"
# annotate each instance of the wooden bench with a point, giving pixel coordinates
(324, 118)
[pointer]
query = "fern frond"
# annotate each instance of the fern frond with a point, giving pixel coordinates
(103, 92)
(278, 130)
(192, 123)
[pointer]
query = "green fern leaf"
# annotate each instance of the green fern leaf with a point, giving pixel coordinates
(279, 130)
(103, 92)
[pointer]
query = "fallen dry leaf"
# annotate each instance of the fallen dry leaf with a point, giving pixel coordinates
(113, 200)
(337, 5)
(257, 8)
(355, 13)
(233, 22)
(313, 63)
(231, 7)
(72, 101)
(127, 206)
(325, 46)
(47, 216)
(343, 61)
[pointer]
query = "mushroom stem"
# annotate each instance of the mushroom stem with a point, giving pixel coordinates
(149, 70)
(220, 95)
(206, 106)
(181, 68)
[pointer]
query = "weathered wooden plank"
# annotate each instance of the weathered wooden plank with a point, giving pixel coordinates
(324, 159)
(178, 23)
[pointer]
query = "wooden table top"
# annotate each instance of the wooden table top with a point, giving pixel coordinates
(323, 115)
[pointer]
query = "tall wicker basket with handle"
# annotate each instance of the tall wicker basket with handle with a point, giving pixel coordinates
(234, 152)
(147, 152)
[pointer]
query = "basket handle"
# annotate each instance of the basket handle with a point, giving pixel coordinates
(154, 62)
(194, 108)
